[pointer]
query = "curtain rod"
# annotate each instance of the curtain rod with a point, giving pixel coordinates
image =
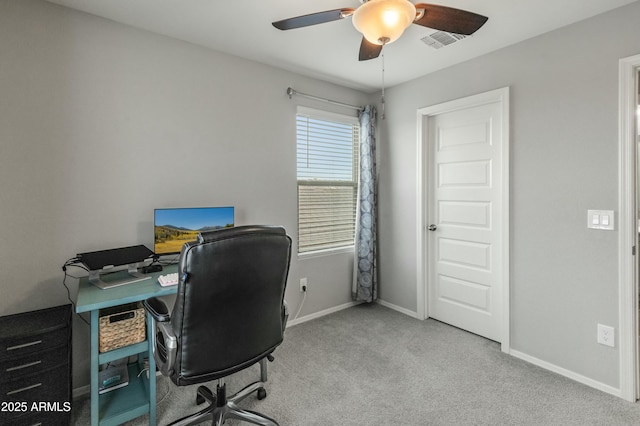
(292, 92)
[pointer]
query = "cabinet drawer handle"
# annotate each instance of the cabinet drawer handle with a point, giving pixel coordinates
(20, 367)
(25, 345)
(24, 389)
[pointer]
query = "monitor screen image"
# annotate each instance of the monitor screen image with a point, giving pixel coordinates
(174, 227)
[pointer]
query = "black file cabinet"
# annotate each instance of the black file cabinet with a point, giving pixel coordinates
(35, 367)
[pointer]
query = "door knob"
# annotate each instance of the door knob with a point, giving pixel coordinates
(432, 227)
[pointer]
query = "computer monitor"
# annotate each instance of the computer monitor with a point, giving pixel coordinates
(175, 226)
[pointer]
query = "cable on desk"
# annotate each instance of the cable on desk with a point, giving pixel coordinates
(172, 261)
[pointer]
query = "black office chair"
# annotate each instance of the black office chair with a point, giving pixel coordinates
(229, 314)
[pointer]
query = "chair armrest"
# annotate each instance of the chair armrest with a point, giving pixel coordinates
(163, 339)
(285, 314)
(158, 309)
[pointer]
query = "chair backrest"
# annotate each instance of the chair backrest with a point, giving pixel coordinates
(229, 310)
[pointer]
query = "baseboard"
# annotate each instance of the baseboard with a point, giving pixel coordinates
(319, 314)
(567, 373)
(400, 309)
(81, 391)
(349, 305)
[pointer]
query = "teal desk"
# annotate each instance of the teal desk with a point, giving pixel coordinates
(139, 396)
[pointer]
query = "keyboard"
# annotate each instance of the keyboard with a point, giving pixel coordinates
(169, 279)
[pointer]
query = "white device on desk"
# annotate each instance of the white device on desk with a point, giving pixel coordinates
(168, 279)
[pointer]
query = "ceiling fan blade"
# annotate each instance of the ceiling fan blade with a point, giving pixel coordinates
(313, 19)
(369, 50)
(449, 19)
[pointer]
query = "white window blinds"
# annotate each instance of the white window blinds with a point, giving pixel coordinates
(327, 164)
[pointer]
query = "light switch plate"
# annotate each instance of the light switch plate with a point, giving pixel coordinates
(601, 219)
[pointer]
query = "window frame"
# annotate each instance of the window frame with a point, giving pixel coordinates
(337, 118)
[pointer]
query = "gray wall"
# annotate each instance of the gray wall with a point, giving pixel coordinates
(101, 123)
(564, 160)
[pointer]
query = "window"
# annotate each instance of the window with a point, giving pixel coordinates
(327, 164)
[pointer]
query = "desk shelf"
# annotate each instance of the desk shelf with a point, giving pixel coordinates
(123, 352)
(128, 402)
(131, 401)
(138, 398)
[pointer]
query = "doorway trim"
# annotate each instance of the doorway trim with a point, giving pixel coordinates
(501, 96)
(628, 233)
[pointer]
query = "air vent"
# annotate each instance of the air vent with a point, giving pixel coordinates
(441, 39)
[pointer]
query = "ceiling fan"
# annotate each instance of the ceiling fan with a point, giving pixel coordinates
(383, 21)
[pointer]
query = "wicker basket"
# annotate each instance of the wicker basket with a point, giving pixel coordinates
(121, 326)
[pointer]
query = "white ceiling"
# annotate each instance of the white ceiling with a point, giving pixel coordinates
(330, 51)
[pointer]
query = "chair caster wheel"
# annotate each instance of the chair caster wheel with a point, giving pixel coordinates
(262, 394)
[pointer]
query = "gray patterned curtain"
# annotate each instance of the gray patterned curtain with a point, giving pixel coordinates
(365, 273)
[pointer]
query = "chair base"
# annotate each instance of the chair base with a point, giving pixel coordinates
(220, 407)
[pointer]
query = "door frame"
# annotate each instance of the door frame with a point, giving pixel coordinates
(423, 114)
(628, 233)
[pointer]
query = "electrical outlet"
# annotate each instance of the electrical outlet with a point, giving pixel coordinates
(303, 285)
(606, 335)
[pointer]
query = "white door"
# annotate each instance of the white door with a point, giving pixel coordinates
(465, 215)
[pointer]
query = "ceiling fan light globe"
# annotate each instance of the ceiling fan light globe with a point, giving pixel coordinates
(383, 21)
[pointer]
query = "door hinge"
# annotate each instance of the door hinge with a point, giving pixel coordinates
(633, 251)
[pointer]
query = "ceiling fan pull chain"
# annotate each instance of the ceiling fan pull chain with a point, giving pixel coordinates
(382, 99)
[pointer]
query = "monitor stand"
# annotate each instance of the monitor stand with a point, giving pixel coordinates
(132, 276)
